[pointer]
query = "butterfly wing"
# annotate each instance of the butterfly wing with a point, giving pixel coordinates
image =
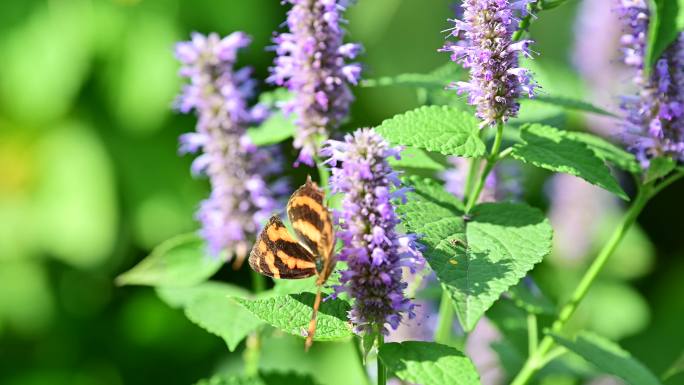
(313, 224)
(277, 254)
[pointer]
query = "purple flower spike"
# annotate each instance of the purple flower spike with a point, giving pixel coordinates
(312, 63)
(218, 94)
(654, 124)
(487, 49)
(375, 253)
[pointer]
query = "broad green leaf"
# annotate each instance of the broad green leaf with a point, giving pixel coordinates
(552, 149)
(278, 127)
(208, 305)
(287, 378)
(607, 151)
(609, 357)
(550, 4)
(531, 299)
(666, 22)
(573, 104)
(658, 168)
(435, 128)
(181, 297)
(231, 380)
(180, 261)
(292, 313)
(413, 158)
(676, 368)
(294, 286)
(479, 259)
(272, 98)
(268, 378)
(275, 129)
(428, 363)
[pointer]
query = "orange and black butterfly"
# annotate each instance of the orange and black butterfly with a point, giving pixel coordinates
(279, 255)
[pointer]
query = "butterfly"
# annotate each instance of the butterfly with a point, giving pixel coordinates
(279, 255)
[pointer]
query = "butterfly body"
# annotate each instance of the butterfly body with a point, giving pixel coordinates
(280, 255)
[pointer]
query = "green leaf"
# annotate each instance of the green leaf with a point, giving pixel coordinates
(479, 259)
(667, 20)
(231, 380)
(428, 363)
(436, 128)
(552, 149)
(294, 286)
(208, 305)
(550, 4)
(609, 357)
(287, 378)
(275, 129)
(180, 261)
(676, 368)
(658, 168)
(414, 158)
(292, 313)
(573, 104)
(607, 151)
(268, 378)
(272, 98)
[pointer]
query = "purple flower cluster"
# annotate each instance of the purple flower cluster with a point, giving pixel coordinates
(635, 16)
(218, 93)
(312, 63)
(375, 253)
(655, 115)
(487, 49)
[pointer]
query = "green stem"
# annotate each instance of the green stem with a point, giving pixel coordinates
(446, 319)
(526, 21)
(258, 282)
(382, 371)
(252, 353)
(491, 162)
(357, 342)
(323, 173)
(667, 182)
(532, 333)
(538, 359)
(472, 176)
(253, 344)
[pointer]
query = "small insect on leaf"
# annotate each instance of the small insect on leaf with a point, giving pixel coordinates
(459, 242)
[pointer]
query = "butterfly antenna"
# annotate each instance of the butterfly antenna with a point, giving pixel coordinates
(312, 323)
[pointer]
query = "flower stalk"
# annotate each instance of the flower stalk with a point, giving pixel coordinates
(538, 358)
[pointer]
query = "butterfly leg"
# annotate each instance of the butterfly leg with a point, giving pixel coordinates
(312, 323)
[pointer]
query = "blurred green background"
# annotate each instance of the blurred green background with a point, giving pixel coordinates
(90, 181)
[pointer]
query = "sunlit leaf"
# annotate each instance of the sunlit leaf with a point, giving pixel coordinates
(428, 363)
(476, 257)
(551, 149)
(209, 306)
(292, 313)
(435, 128)
(609, 357)
(180, 261)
